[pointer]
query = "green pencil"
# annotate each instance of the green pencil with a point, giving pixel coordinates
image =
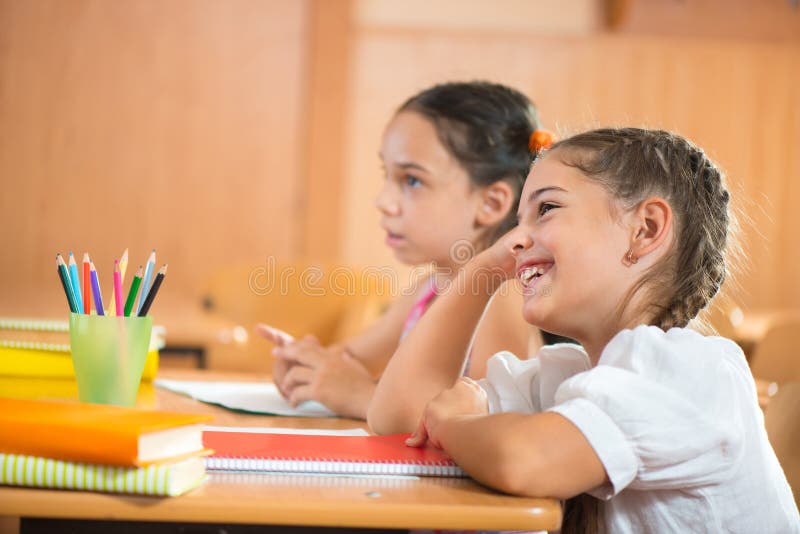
(65, 281)
(137, 280)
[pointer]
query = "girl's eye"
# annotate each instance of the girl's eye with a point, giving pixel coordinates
(413, 181)
(544, 207)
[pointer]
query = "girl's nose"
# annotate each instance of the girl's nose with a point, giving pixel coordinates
(386, 201)
(520, 240)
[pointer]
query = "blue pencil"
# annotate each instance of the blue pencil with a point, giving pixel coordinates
(76, 281)
(148, 273)
(98, 299)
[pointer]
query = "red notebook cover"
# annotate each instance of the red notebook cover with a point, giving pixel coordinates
(292, 453)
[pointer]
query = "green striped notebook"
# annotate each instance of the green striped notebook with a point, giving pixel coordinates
(168, 479)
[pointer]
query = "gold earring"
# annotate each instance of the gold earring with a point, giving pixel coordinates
(631, 258)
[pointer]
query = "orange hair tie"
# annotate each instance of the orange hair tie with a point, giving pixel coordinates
(540, 140)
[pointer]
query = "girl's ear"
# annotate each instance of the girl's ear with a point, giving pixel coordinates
(495, 202)
(652, 226)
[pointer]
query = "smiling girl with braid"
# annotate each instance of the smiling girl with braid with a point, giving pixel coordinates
(648, 426)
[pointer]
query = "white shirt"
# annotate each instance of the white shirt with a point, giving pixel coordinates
(674, 419)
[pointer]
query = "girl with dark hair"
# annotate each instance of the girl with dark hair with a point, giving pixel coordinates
(455, 158)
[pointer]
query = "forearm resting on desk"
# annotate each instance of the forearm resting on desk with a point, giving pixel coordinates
(541, 455)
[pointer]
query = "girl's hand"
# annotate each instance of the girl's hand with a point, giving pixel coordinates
(466, 397)
(275, 335)
(280, 339)
(501, 257)
(333, 377)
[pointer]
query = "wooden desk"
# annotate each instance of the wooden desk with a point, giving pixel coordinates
(233, 498)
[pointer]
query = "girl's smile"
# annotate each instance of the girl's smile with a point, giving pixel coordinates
(531, 272)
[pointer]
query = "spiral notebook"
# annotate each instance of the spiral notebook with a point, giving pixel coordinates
(348, 455)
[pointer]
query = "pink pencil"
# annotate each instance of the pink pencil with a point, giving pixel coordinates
(118, 290)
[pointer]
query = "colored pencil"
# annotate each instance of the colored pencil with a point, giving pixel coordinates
(98, 298)
(117, 289)
(76, 281)
(153, 290)
(87, 285)
(148, 274)
(134, 290)
(123, 266)
(62, 273)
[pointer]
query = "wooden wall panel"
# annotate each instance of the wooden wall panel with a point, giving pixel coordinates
(734, 98)
(773, 20)
(142, 124)
(327, 114)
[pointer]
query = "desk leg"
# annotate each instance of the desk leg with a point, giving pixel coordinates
(79, 526)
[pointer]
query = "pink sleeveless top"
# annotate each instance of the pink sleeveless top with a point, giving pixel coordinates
(420, 306)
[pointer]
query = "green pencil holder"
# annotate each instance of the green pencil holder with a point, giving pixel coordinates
(108, 354)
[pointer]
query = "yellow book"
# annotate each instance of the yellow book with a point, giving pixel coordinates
(40, 348)
(47, 387)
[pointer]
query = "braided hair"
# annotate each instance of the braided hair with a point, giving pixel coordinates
(634, 163)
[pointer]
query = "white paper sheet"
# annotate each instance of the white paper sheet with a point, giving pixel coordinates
(278, 430)
(252, 397)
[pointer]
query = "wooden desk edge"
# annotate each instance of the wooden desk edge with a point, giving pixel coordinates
(540, 514)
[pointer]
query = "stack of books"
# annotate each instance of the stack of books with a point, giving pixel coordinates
(40, 348)
(79, 446)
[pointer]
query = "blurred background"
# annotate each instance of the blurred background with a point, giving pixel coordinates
(226, 133)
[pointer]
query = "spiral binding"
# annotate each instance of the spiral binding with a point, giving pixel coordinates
(34, 325)
(285, 465)
(43, 325)
(33, 345)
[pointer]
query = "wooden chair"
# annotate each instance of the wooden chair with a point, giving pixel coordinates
(782, 420)
(776, 357)
(330, 301)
